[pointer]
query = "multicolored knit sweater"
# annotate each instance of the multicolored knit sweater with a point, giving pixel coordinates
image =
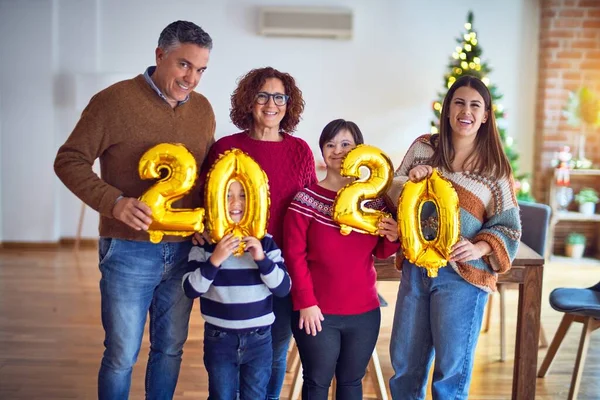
(488, 212)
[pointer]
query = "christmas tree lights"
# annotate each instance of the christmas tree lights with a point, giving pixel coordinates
(466, 60)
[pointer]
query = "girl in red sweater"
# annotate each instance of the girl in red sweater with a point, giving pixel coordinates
(336, 310)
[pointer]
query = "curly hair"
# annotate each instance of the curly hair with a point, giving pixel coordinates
(242, 99)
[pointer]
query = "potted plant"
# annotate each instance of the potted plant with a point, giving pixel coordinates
(575, 245)
(587, 199)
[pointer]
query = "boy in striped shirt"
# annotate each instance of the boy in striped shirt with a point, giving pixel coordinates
(236, 303)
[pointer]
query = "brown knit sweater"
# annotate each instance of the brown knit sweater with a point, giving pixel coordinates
(118, 126)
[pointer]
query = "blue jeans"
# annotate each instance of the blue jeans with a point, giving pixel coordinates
(237, 360)
(281, 332)
(440, 316)
(140, 278)
(344, 347)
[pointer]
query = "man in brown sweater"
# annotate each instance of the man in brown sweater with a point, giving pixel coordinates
(118, 126)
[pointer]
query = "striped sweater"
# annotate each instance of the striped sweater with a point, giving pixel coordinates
(237, 295)
(488, 212)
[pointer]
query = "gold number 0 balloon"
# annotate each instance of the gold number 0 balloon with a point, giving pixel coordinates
(181, 175)
(348, 209)
(429, 254)
(237, 165)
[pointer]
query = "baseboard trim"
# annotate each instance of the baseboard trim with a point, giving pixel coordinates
(62, 243)
(87, 243)
(30, 245)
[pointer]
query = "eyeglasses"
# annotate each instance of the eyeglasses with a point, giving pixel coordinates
(279, 99)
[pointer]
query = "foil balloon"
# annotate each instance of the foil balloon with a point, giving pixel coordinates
(180, 167)
(348, 207)
(430, 254)
(239, 166)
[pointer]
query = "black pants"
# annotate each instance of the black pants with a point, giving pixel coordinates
(343, 347)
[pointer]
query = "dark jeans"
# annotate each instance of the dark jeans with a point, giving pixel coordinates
(237, 360)
(281, 332)
(343, 347)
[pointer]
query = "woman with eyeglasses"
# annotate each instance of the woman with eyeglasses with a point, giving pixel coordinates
(266, 106)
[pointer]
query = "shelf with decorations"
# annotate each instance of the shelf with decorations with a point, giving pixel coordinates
(563, 190)
(575, 178)
(575, 216)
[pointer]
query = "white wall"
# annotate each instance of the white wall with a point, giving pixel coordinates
(27, 125)
(77, 66)
(0, 166)
(385, 79)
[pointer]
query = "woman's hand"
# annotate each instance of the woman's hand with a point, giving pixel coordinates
(199, 239)
(388, 227)
(310, 320)
(464, 250)
(419, 173)
(224, 249)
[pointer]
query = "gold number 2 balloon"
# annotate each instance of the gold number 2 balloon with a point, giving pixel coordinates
(429, 254)
(348, 210)
(237, 165)
(181, 175)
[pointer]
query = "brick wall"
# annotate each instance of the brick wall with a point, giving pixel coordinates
(569, 58)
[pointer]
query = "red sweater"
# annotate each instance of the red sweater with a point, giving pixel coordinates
(328, 269)
(289, 165)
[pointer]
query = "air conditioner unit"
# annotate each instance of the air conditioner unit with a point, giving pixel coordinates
(330, 23)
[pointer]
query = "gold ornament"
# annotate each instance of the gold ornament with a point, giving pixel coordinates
(236, 165)
(181, 175)
(429, 254)
(348, 210)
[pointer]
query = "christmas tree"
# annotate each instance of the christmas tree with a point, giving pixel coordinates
(466, 60)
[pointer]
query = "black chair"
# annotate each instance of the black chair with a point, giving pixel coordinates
(535, 218)
(579, 305)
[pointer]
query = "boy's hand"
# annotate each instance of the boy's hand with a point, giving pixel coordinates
(254, 247)
(224, 249)
(388, 227)
(419, 173)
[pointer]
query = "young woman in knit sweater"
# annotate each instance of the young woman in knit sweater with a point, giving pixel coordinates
(441, 317)
(267, 106)
(336, 319)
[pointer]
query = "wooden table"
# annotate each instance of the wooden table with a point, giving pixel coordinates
(527, 270)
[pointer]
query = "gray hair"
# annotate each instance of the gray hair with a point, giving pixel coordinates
(180, 32)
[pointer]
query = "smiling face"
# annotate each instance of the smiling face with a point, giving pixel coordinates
(269, 115)
(336, 149)
(467, 112)
(236, 201)
(178, 70)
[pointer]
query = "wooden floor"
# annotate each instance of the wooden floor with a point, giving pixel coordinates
(51, 337)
